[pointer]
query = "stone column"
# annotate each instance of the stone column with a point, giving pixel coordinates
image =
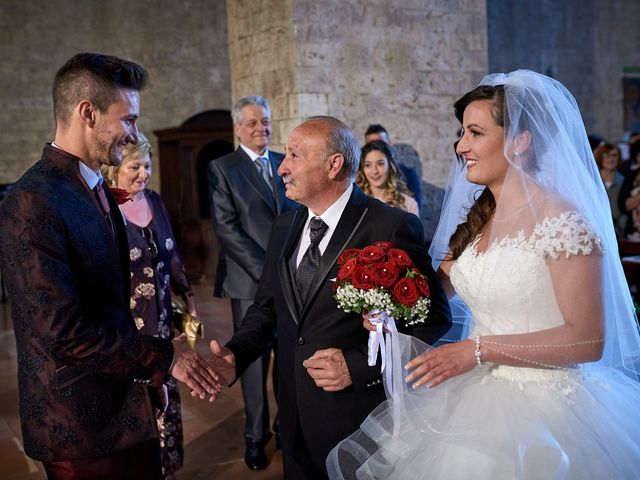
(401, 63)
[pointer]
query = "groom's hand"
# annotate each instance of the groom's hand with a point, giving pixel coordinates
(223, 361)
(328, 369)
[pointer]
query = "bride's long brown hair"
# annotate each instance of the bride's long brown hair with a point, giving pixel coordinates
(485, 205)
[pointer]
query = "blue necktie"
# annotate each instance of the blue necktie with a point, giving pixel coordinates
(262, 164)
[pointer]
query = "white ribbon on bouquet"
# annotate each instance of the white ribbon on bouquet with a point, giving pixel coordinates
(388, 348)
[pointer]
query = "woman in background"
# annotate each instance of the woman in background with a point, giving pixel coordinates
(378, 176)
(156, 270)
(609, 160)
(629, 197)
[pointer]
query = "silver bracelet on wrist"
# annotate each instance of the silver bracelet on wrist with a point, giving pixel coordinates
(478, 353)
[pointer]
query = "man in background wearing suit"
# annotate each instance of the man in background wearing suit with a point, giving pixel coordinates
(326, 387)
(246, 194)
(87, 379)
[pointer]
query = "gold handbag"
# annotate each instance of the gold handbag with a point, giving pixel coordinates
(186, 323)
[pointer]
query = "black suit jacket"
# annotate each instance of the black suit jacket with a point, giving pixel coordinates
(328, 417)
(82, 367)
(243, 210)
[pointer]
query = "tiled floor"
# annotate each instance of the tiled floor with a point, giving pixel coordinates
(214, 446)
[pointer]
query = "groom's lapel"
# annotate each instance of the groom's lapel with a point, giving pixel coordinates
(350, 221)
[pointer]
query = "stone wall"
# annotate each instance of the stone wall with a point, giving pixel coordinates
(401, 64)
(585, 45)
(182, 43)
(261, 51)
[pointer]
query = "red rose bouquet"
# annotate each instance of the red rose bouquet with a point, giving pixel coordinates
(384, 281)
(382, 278)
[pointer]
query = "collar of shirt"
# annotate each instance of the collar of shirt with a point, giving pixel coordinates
(331, 217)
(92, 178)
(254, 156)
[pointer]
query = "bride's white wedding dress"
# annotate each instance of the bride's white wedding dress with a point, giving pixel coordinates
(502, 422)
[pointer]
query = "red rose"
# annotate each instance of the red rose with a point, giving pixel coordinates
(346, 271)
(362, 278)
(347, 254)
(121, 196)
(384, 245)
(371, 254)
(385, 274)
(405, 292)
(400, 257)
(423, 286)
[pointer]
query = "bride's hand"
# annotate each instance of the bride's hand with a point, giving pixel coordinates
(433, 367)
(367, 323)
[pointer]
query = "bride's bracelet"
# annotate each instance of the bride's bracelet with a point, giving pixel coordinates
(478, 352)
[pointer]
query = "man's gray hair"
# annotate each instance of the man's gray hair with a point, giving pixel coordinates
(236, 111)
(340, 139)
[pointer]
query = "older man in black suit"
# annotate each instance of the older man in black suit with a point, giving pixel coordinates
(246, 194)
(87, 379)
(326, 387)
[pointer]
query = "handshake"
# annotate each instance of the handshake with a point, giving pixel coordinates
(204, 376)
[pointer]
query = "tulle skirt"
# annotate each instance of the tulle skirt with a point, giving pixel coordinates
(498, 423)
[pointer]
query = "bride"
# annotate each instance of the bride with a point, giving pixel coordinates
(546, 384)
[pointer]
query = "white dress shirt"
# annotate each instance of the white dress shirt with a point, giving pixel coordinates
(254, 156)
(92, 178)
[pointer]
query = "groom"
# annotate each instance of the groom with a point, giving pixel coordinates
(86, 377)
(326, 388)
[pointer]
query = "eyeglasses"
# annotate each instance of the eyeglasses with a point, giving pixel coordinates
(152, 247)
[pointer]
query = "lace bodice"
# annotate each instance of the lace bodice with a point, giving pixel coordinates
(509, 288)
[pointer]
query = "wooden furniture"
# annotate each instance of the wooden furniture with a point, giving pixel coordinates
(627, 247)
(184, 153)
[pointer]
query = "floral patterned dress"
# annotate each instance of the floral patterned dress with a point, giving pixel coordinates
(156, 270)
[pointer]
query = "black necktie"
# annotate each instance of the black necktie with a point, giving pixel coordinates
(309, 263)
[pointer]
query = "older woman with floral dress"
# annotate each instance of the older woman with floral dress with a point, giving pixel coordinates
(156, 270)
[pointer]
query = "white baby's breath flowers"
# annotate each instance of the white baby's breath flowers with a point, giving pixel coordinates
(351, 299)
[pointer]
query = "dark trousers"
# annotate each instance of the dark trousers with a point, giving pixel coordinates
(254, 385)
(299, 464)
(140, 462)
